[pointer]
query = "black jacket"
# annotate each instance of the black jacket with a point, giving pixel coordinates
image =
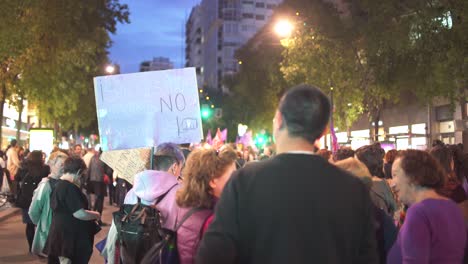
(293, 208)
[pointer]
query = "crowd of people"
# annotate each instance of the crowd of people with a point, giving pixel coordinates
(293, 203)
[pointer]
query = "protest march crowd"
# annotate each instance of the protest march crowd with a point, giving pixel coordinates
(289, 203)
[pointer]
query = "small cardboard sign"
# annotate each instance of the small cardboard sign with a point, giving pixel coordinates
(127, 163)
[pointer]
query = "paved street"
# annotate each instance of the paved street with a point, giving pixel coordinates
(14, 247)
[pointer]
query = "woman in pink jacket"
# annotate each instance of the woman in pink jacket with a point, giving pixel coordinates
(204, 176)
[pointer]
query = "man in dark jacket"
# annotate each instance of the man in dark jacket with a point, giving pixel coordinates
(295, 207)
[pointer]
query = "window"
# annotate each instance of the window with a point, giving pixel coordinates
(247, 15)
(444, 113)
(219, 60)
(245, 2)
(260, 5)
(260, 17)
(398, 130)
(230, 44)
(270, 6)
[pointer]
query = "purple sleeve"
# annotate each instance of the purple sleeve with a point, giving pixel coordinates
(415, 237)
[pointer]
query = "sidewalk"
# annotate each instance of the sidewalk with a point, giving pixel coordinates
(8, 211)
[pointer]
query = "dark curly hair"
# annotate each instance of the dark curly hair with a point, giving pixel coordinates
(372, 157)
(343, 153)
(422, 169)
(445, 157)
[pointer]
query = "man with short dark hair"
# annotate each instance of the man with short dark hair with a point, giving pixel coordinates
(295, 207)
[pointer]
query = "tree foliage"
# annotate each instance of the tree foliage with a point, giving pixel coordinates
(373, 52)
(61, 47)
(256, 88)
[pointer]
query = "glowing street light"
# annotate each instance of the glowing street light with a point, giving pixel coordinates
(110, 69)
(284, 28)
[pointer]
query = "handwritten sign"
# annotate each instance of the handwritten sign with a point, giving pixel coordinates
(145, 109)
(127, 163)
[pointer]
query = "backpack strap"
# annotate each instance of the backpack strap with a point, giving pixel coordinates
(135, 207)
(164, 194)
(186, 216)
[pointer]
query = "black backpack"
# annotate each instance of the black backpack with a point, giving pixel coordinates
(165, 252)
(26, 190)
(139, 228)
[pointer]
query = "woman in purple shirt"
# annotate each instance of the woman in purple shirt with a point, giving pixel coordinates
(434, 230)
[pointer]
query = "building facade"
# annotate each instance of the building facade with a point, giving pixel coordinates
(193, 43)
(10, 124)
(216, 29)
(157, 64)
(408, 125)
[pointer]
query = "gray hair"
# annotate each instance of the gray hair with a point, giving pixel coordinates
(56, 161)
(167, 154)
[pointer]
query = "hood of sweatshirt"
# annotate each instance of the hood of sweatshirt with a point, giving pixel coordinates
(151, 184)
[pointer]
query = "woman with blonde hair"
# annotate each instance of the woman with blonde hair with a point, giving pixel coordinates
(204, 176)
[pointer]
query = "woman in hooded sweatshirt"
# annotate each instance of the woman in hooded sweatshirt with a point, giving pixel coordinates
(154, 187)
(40, 211)
(204, 176)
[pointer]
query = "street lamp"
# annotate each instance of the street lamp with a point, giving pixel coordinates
(284, 28)
(110, 69)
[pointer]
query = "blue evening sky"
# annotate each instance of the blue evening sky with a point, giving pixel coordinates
(157, 28)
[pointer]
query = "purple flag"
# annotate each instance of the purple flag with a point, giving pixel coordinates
(334, 139)
(246, 139)
(209, 140)
(224, 135)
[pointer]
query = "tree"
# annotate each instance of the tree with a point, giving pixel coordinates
(70, 49)
(256, 88)
(64, 47)
(13, 42)
(358, 48)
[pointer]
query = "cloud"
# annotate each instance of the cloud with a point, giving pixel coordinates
(156, 29)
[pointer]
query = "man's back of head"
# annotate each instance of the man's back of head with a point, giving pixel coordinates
(166, 154)
(304, 113)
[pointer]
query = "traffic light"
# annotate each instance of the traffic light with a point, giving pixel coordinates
(262, 139)
(206, 112)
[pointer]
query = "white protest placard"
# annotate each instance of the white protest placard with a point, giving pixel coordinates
(148, 108)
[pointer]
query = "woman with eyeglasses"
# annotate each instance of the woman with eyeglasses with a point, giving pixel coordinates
(71, 234)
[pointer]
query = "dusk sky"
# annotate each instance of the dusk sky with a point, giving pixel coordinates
(157, 28)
